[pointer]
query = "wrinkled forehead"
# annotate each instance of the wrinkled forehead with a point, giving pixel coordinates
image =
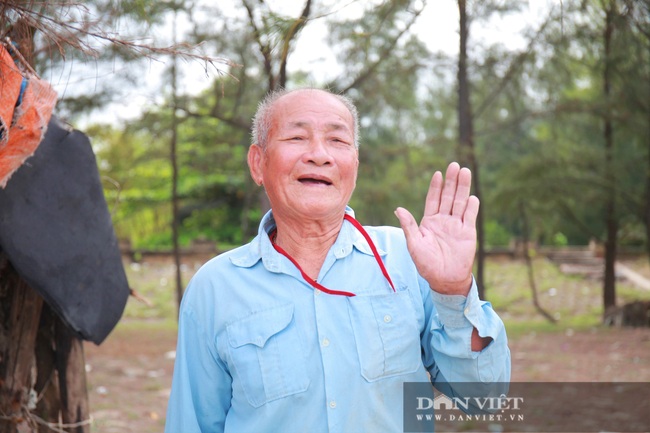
(311, 108)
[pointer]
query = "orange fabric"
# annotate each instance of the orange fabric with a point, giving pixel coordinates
(29, 122)
(10, 80)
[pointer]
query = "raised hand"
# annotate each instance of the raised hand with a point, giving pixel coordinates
(444, 244)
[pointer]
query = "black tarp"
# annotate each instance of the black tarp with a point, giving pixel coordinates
(56, 229)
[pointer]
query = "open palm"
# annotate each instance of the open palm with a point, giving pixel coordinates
(444, 244)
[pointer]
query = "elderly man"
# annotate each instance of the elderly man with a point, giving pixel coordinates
(316, 324)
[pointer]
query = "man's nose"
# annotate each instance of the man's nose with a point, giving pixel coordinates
(318, 152)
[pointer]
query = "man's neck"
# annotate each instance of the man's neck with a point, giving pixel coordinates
(308, 241)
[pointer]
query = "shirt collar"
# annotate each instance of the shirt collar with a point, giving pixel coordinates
(261, 248)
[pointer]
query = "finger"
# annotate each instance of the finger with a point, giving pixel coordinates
(432, 203)
(408, 223)
(449, 189)
(471, 211)
(462, 192)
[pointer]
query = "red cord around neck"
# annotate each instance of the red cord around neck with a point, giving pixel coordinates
(319, 286)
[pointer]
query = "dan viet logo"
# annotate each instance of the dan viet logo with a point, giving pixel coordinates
(501, 408)
(550, 407)
(428, 409)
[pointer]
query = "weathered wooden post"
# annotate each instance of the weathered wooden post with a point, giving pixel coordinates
(20, 312)
(42, 367)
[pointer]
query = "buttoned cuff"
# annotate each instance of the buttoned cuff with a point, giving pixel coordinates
(457, 311)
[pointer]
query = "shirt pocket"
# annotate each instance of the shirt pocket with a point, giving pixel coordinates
(266, 352)
(387, 336)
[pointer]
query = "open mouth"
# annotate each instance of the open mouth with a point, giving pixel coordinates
(309, 180)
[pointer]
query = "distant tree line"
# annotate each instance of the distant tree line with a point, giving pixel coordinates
(557, 131)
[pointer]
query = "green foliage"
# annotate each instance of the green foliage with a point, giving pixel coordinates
(559, 240)
(544, 130)
(496, 234)
(538, 125)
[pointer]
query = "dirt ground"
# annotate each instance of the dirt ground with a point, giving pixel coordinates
(129, 376)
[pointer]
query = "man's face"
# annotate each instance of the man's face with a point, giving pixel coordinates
(309, 165)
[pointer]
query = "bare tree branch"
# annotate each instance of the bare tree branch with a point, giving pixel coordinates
(78, 35)
(265, 49)
(364, 75)
(232, 121)
(529, 265)
(512, 69)
(295, 28)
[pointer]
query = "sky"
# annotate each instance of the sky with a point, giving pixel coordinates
(437, 26)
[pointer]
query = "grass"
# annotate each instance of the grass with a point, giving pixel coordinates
(154, 282)
(134, 325)
(574, 301)
(564, 297)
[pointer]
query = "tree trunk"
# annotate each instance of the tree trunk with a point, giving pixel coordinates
(173, 157)
(646, 211)
(20, 310)
(467, 154)
(611, 243)
(647, 192)
(71, 369)
(39, 356)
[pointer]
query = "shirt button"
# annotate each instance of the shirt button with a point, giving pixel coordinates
(333, 404)
(326, 342)
(466, 310)
(316, 292)
(387, 318)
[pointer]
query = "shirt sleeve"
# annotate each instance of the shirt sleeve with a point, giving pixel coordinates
(450, 326)
(201, 385)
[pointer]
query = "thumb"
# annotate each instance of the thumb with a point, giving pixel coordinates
(408, 223)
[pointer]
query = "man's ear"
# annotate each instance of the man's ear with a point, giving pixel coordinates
(255, 157)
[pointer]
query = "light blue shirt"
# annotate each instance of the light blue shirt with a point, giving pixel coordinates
(260, 350)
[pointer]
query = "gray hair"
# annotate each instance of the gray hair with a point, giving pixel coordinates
(264, 114)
